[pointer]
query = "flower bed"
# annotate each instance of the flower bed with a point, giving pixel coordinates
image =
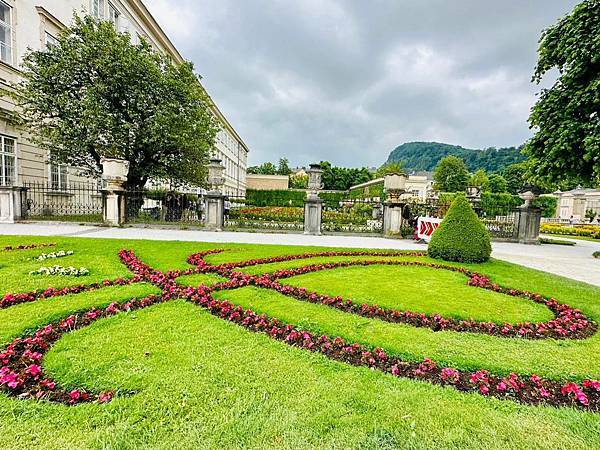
(53, 255)
(60, 270)
(592, 231)
(9, 248)
(21, 374)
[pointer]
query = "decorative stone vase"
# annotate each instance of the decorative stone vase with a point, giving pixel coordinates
(394, 182)
(528, 197)
(114, 172)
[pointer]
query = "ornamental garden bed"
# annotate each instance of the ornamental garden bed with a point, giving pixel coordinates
(259, 345)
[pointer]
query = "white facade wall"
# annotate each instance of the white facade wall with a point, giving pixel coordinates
(31, 23)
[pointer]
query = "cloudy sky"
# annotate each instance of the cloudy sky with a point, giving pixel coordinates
(349, 80)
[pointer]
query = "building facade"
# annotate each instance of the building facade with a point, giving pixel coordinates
(574, 204)
(35, 24)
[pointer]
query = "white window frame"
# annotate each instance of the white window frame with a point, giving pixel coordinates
(49, 39)
(6, 48)
(8, 179)
(113, 15)
(58, 176)
(97, 8)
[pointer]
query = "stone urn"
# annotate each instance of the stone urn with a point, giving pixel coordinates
(114, 172)
(394, 186)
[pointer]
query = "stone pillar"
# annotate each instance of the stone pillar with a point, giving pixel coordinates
(214, 210)
(527, 224)
(579, 205)
(392, 219)
(12, 199)
(114, 202)
(313, 212)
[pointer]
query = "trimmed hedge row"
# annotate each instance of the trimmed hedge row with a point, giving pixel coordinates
(289, 198)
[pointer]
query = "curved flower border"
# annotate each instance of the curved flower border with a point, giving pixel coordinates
(21, 373)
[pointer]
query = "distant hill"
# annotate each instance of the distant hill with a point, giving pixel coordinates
(426, 155)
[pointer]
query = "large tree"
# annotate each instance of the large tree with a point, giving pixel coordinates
(95, 94)
(451, 175)
(566, 118)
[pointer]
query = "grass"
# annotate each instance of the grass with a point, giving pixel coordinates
(203, 382)
(572, 236)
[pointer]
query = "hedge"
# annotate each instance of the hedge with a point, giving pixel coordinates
(289, 197)
(461, 236)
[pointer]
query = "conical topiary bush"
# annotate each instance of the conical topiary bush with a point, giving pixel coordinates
(461, 236)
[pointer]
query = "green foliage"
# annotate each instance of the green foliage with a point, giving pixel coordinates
(267, 168)
(497, 183)
(544, 240)
(590, 214)
(298, 181)
(451, 175)
(566, 145)
(284, 167)
(374, 190)
(95, 94)
(255, 197)
(427, 155)
(480, 179)
(393, 168)
(548, 205)
(596, 255)
(461, 235)
(342, 178)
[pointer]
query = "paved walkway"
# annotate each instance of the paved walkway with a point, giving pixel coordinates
(573, 262)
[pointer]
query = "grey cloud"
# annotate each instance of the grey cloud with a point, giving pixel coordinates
(348, 80)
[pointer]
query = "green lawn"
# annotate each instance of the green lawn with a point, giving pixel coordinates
(188, 379)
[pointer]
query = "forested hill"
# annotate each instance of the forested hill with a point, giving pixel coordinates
(426, 155)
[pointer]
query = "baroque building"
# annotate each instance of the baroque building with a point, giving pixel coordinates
(35, 24)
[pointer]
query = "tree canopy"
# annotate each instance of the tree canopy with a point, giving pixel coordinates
(566, 118)
(268, 168)
(451, 175)
(342, 178)
(94, 94)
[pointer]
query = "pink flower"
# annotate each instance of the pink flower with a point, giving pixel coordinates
(74, 395)
(34, 370)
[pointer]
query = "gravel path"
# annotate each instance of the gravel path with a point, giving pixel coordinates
(574, 262)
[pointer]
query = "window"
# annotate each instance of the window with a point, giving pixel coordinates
(50, 40)
(5, 33)
(58, 177)
(98, 9)
(113, 16)
(7, 160)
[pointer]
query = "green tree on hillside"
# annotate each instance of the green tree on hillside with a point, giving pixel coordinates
(566, 118)
(94, 94)
(451, 175)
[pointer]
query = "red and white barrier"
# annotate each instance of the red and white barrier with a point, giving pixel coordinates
(426, 226)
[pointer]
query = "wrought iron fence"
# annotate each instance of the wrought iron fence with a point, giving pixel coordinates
(239, 213)
(75, 201)
(353, 216)
(164, 207)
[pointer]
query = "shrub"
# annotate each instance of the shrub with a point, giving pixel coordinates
(461, 236)
(596, 255)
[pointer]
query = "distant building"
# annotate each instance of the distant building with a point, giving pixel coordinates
(267, 182)
(576, 202)
(34, 24)
(417, 186)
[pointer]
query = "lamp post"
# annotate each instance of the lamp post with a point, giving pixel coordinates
(214, 207)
